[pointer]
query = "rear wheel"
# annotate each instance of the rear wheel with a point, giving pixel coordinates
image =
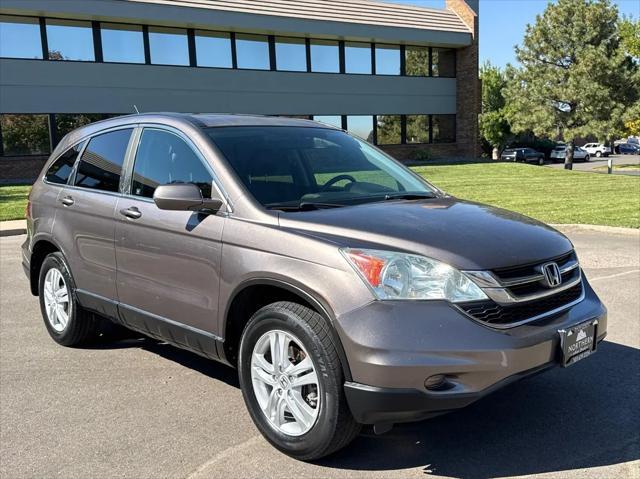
(67, 323)
(292, 382)
(598, 154)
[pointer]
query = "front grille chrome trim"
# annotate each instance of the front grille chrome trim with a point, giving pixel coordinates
(503, 297)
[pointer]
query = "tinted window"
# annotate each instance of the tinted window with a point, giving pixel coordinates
(387, 60)
(253, 52)
(168, 46)
(333, 120)
(122, 43)
(417, 129)
(70, 40)
(100, 167)
(284, 166)
(443, 62)
(291, 54)
(357, 58)
(24, 134)
(361, 126)
(325, 56)
(20, 37)
(213, 49)
(61, 169)
(444, 128)
(417, 61)
(389, 130)
(164, 158)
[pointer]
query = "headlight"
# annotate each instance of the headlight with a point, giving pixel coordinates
(393, 275)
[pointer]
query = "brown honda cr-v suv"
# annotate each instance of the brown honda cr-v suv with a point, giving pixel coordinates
(344, 288)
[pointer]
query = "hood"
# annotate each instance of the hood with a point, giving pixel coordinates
(464, 234)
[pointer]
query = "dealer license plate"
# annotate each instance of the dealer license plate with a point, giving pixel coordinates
(578, 342)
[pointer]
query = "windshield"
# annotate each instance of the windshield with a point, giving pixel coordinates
(297, 167)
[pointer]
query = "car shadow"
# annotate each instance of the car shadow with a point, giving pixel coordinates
(581, 417)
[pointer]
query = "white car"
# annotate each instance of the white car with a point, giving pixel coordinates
(597, 149)
(559, 153)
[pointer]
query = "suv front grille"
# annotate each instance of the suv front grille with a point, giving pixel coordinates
(493, 313)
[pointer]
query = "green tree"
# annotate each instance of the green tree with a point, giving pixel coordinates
(493, 122)
(630, 36)
(575, 78)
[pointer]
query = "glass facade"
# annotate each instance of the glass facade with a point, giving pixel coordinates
(443, 62)
(168, 46)
(70, 40)
(122, 43)
(253, 52)
(361, 126)
(25, 134)
(213, 49)
(417, 61)
(20, 37)
(444, 128)
(389, 129)
(65, 123)
(291, 54)
(387, 60)
(357, 58)
(417, 129)
(325, 56)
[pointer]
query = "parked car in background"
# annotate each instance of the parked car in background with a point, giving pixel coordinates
(597, 149)
(522, 154)
(628, 149)
(559, 153)
(345, 288)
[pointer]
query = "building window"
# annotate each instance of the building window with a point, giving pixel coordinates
(332, 120)
(417, 128)
(20, 37)
(100, 167)
(361, 126)
(169, 46)
(213, 49)
(25, 134)
(325, 56)
(387, 60)
(443, 62)
(291, 54)
(444, 128)
(253, 52)
(389, 129)
(357, 58)
(66, 123)
(417, 61)
(70, 40)
(122, 43)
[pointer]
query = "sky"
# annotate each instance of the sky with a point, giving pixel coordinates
(503, 22)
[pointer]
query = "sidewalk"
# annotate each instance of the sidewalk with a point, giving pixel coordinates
(13, 228)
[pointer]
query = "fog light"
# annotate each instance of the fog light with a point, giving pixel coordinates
(435, 382)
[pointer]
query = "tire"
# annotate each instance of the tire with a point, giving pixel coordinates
(587, 159)
(333, 426)
(598, 154)
(80, 326)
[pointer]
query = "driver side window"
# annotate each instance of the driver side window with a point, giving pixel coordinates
(164, 158)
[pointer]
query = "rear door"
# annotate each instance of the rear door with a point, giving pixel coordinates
(84, 223)
(168, 261)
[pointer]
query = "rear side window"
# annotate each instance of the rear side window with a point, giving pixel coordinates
(100, 167)
(164, 158)
(61, 169)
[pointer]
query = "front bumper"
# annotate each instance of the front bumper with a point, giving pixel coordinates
(393, 347)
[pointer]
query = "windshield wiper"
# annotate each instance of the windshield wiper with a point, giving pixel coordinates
(409, 196)
(303, 206)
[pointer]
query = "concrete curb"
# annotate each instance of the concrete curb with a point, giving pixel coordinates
(13, 228)
(600, 228)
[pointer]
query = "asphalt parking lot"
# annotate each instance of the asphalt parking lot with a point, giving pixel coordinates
(136, 408)
(599, 165)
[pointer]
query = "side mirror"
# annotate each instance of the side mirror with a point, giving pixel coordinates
(184, 197)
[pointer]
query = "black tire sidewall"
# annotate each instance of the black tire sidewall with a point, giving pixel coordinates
(320, 435)
(56, 260)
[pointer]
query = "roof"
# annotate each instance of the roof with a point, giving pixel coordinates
(350, 11)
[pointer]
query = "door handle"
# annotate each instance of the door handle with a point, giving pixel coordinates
(67, 201)
(133, 213)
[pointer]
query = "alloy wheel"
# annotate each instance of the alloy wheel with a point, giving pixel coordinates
(56, 300)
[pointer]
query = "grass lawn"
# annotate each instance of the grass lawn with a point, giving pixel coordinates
(13, 201)
(547, 194)
(550, 195)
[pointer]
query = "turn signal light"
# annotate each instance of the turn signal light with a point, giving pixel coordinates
(370, 266)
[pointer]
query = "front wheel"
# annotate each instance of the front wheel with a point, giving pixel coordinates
(587, 158)
(292, 382)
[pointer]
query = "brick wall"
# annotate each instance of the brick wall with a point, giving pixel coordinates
(20, 169)
(468, 84)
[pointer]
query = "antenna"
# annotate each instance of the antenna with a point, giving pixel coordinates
(136, 109)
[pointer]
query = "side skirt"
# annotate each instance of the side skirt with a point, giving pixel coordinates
(180, 335)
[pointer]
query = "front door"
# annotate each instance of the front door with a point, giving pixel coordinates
(168, 262)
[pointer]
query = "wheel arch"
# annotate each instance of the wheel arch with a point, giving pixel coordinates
(41, 248)
(251, 295)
